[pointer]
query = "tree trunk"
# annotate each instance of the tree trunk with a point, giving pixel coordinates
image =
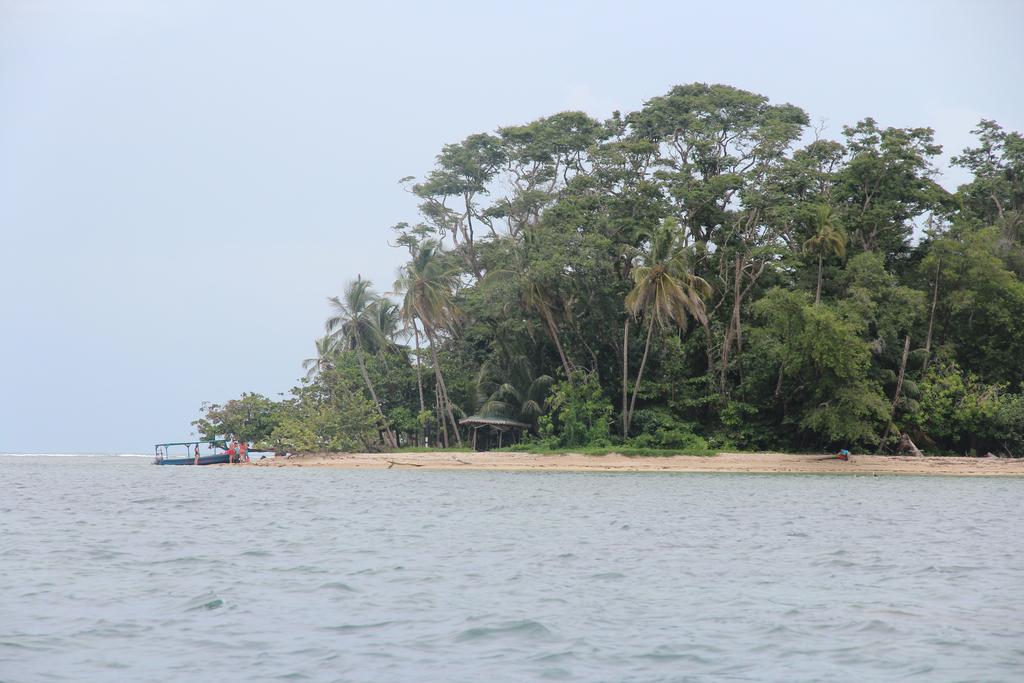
(553, 331)
(778, 381)
(732, 331)
(931, 315)
(709, 343)
(445, 400)
(442, 421)
(639, 375)
(470, 242)
(903, 371)
(389, 435)
(419, 371)
(906, 445)
(896, 395)
(625, 378)
(817, 294)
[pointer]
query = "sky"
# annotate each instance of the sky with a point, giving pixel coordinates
(183, 184)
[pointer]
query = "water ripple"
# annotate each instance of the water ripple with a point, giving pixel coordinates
(113, 570)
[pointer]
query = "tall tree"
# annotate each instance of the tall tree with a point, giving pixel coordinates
(887, 182)
(665, 291)
(355, 327)
(996, 194)
(828, 238)
(450, 192)
(427, 283)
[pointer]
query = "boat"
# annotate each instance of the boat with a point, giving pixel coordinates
(188, 453)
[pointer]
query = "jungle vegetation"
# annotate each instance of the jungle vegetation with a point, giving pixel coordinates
(705, 272)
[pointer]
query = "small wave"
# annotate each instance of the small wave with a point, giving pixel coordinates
(207, 602)
(14, 645)
(665, 653)
(555, 674)
(555, 656)
(337, 585)
(349, 628)
(608, 576)
(525, 627)
(877, 626)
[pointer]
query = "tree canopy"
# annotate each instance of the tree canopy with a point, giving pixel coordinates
(704, 271)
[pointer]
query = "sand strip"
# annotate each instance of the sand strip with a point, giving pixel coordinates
(766, 463)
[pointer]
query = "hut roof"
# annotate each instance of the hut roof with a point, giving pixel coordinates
(498, 422)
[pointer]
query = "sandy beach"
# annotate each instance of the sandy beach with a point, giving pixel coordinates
(766, 463)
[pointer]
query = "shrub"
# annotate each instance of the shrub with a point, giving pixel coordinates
(579, 414)
(659, 429)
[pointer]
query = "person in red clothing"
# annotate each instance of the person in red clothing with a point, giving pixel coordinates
(232, 450)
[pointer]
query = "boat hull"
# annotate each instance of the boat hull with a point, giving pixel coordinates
(221, 458)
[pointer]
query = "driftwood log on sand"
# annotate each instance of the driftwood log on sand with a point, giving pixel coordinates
(907, 445)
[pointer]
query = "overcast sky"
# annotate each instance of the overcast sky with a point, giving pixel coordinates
(182, 184)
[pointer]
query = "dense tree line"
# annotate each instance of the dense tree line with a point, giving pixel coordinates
(705, 271)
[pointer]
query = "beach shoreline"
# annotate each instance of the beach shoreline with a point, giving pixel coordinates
(749, 463)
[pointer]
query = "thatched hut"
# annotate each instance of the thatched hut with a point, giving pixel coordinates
(497, 427)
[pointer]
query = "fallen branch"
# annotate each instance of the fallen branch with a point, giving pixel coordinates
(408, 464)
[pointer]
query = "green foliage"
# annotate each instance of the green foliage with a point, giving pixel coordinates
(996, 195)
(329, 414)
(958, 412)
(659, 429)
(695, 280)
(980, 311)
(579, 414)
(824, 370)
(250, 418)
(887, 181)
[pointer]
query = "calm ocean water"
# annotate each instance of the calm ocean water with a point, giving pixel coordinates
(115, 570)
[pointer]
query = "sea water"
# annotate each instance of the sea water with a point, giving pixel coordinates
(115, 570)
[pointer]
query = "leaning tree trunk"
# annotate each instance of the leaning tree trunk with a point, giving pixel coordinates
(639, 375)
(899, 390)
(709, 345)
(553, 331)
(906, 445)
(442, 421)
(625, 379)
(443, 388)
(419, 371)
(439, 396)
(727, 339)
(817, 294)
(931, 315)
(389, 436)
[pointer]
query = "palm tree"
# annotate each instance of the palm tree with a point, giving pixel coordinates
(427, 283)
(506, 387)
(323, 359)
(354, 327)
(665, 291)
(388, 320)
(828, 238)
